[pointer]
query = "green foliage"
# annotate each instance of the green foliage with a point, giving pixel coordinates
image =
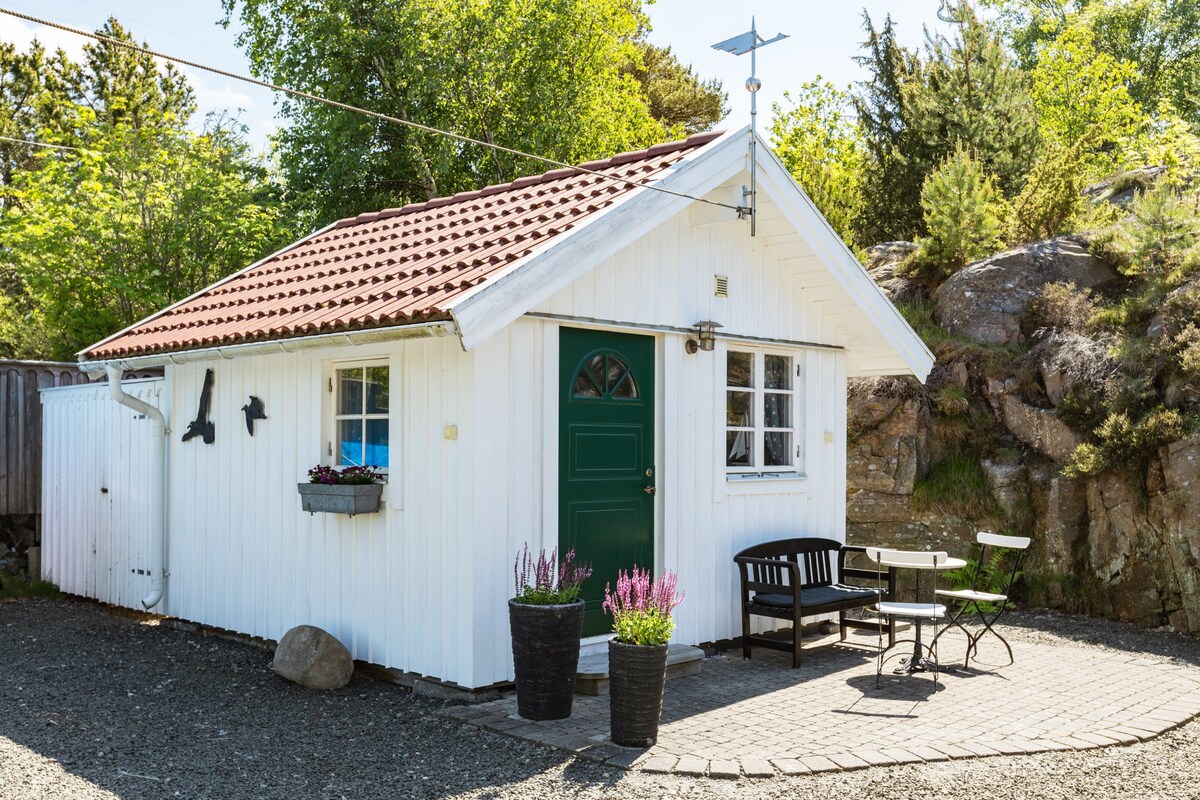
(891, 177)
(14, 587)
(989, 576)
(951, 399)
(1122, 442)
(1083, 105)
(973, 97)
(649, 628)
(965, 216)
(1159, 36)
(1052, 202)
(550, 77)
(1165, 140)
(681, 102)
(956, 485)
(821, 144)
(143, 212)
(1163, 225)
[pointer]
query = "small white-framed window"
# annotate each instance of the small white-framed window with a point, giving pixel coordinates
(361, 405)
(763, 420)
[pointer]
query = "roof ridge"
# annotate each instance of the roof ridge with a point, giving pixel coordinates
(618, 159)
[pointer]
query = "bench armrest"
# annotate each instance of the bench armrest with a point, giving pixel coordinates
(866, 574)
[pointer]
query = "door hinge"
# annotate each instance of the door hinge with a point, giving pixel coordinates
(331, 385)
(797, 370)
(330, 447)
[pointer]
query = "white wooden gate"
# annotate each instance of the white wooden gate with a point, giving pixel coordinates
(97, 480)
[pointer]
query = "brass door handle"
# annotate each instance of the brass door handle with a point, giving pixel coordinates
(650, 489)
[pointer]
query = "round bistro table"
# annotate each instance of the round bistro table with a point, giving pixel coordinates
(916, 662)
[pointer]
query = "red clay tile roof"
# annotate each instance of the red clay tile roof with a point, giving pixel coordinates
(392, 267)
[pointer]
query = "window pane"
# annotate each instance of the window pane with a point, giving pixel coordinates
(626, 389)
(377, 443)
(739, 448)
(777, 449)
(739, 409)
(739, 369)
(377, 390)
(777, 410)
(350, 398)
(595, 370)
(584, 386)
(350, 444)
(778, 371)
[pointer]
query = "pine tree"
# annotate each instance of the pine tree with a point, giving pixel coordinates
(891, 180)
(974, 94)
(964, 213)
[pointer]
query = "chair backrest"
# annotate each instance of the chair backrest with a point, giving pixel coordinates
(986, 540)
(814, 554)
(997, 540)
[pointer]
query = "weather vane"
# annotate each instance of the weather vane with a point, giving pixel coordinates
(749, 42)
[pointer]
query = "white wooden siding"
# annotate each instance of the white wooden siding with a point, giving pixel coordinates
(393, 587)
(96, 491)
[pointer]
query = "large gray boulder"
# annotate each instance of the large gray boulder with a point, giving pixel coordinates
(313, 658)
(985, 301)
(1039, 428)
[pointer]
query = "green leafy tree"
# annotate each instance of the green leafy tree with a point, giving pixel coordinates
(891, 177)
(965, 214)
(1082, 100)
(1160, 36)
(544, 76)
(139, 219)
(679, 99)
(33, 97)
(818, 139)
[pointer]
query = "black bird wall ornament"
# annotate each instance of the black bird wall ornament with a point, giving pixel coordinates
(253, 410)
(202, 426)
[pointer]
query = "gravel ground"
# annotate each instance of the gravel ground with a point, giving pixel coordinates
(96, 703)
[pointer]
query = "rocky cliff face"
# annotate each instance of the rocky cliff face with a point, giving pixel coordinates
(1124, 544)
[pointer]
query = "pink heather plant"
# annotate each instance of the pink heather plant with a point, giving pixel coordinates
(550, 585)
(641, 607)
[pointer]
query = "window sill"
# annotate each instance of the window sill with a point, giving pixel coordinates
(760, 477)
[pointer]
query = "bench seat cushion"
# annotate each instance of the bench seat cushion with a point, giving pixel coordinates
(819, 596)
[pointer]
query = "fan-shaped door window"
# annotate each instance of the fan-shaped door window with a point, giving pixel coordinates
(605, 375)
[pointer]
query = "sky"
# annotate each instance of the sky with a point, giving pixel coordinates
(824, 35)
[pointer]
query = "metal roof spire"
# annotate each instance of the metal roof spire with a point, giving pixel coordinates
(739, 45)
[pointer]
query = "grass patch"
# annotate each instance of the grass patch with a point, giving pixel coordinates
(15, 587)
(956, 485)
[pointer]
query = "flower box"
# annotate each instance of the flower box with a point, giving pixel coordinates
(362, 498)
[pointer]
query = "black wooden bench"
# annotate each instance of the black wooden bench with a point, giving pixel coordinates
(794, 578)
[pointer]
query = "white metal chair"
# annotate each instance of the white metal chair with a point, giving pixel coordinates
(975, 599)
(916, 612)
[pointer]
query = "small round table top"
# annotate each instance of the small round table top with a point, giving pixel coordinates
(949, 563)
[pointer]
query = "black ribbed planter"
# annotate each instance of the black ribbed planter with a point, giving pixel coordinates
(636, 676)
(545, 642)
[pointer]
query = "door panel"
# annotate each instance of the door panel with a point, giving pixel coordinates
(606, 457)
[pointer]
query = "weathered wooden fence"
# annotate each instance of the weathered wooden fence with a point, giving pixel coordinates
(21, 431)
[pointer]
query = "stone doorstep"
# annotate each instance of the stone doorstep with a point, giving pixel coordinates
(592, 679)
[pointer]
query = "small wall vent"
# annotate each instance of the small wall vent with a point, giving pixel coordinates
(722, 285)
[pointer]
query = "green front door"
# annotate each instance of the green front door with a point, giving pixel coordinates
(606, 472)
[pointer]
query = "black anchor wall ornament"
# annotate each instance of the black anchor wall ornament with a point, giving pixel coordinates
(202, 426)
(253, 410)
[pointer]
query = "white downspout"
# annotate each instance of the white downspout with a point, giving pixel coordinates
(158, 499)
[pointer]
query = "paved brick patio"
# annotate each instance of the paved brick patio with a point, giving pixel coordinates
(760, 718)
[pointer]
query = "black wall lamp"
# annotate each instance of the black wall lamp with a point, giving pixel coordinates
(706, 337)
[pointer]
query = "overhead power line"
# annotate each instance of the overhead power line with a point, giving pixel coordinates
(39, 144)
(347, 107)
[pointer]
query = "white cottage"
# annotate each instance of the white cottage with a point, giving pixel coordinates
(529, 362)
